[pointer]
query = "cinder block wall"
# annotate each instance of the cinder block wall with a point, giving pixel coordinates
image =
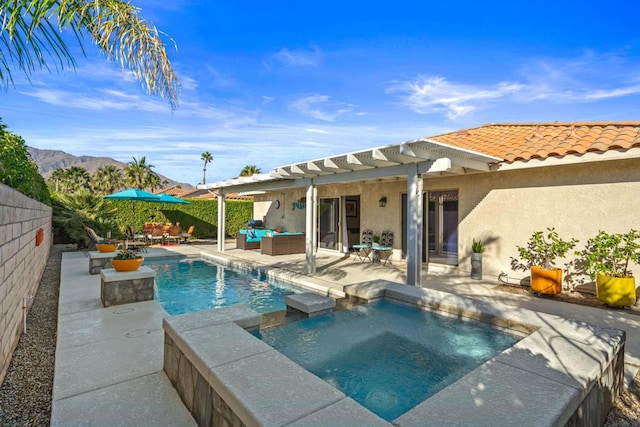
(21, 263)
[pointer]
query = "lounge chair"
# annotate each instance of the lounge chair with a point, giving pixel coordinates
(363, 250)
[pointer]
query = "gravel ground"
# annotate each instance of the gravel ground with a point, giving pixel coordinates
(25, 395)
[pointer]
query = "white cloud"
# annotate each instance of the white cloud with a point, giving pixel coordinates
(589, 78)
(105, 100)
(310, 106)
(436, 94)
(298, 57)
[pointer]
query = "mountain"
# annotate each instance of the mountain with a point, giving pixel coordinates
(50, 160)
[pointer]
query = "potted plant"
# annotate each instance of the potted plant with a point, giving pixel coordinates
(126, 261)
(477, 248)
(607, 258)
(539, 256)
(106, 247)
(376, 240)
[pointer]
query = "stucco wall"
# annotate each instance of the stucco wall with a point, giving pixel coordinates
(21, 263)
(505, 208)
(502, 209)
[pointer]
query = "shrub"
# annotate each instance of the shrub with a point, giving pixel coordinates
(17, 169)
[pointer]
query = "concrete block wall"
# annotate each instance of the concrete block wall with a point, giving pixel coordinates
(21, 263)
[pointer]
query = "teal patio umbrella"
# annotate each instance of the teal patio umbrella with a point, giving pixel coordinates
(135, 195)
(166, 198)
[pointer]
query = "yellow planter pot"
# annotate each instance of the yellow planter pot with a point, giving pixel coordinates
(548, 282)
(106, 247)
(618, 291)
(126, 264)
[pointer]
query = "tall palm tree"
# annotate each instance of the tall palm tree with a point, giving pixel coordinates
(30, 40)
(250, 170)
(107, 179)
(207, 157)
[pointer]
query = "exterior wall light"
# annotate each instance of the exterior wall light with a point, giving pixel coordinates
(382, 202)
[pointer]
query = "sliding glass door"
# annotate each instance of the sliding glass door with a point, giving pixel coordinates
(328, 223)
(443, 227)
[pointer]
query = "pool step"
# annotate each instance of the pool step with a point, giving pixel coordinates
(310, 303)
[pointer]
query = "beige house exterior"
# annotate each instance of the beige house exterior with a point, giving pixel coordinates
(496, 183)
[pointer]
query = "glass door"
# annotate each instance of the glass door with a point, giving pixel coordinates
(443, 227)
(328, 223)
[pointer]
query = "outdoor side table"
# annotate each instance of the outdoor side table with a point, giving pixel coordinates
(362, 252)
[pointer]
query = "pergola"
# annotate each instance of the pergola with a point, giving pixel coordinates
(412, 160)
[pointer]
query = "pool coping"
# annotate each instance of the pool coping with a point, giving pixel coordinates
(563, 371)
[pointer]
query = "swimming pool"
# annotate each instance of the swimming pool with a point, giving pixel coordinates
(386, 356)
(188, 285)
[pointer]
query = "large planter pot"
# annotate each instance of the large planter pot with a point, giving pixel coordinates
(617, 291)
(548, 282)
(106, 247)
(476, 265)
(126, 264)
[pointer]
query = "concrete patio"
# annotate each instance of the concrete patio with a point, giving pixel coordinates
(109, 361)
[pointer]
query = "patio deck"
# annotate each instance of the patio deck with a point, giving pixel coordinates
(109, 360)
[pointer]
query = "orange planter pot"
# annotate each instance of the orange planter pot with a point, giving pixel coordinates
(106, 247)
(548, 282)
(618, 291)
(126, 264)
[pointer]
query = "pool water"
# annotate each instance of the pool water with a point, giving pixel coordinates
(188, 285)
(388, 357)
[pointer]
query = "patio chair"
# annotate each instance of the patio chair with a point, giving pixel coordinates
(385, 250)
(185, 236)
(363, 250)
(136, 242)
(156, 236)
(174, 235)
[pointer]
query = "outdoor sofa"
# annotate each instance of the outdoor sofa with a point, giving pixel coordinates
(283, 244)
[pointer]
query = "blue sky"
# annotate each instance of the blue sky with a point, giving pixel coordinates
(273, 83)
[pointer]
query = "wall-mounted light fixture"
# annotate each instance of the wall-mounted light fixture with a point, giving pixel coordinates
(382, 202)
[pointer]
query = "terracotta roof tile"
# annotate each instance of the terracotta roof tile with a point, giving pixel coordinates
(524, 141)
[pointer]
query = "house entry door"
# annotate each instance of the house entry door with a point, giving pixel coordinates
(443, 227)
(328, 223)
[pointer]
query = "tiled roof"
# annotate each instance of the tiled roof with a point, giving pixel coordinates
(212, 194)
(519, 141)
(174, 191)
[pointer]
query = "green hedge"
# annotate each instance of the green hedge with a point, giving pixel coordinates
(202, 214)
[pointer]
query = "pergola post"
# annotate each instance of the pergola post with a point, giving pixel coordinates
(310, 227)
(221, 220)
(415, 227)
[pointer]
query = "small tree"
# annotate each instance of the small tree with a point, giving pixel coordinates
(611, 254)
(542, 249)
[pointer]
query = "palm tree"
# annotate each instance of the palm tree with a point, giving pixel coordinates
(250, 170)
(139, 174)
(107, 179)
(207, 157)
(78, 177)
(58, 178)
(30, 40)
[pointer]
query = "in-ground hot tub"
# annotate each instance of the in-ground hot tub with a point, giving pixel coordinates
(562, 372)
